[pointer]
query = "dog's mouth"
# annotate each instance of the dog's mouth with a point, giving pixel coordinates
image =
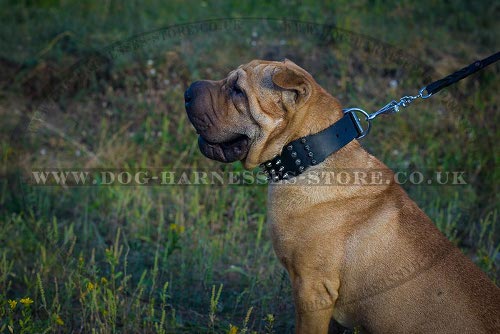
(228, 151)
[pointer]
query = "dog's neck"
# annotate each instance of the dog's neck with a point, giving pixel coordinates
(324, 111)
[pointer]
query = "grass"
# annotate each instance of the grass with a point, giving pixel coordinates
(198, 259)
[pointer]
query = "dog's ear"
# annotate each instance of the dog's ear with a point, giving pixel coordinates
(292, 79)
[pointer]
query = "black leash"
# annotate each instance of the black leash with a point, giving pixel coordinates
(427, 91)
(436, 86)
(308, 151)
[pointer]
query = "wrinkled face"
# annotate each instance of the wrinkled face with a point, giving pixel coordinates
(247, 115)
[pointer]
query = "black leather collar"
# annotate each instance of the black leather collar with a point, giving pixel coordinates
(308, 151)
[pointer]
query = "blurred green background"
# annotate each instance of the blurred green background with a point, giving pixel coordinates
(198, 259)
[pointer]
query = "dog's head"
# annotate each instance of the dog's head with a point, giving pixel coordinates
(255, 111)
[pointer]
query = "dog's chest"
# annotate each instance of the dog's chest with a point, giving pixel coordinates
(296, 225)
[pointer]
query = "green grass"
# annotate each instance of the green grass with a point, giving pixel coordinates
(189, 259)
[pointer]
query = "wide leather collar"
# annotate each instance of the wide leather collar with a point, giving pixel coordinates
(298, 155)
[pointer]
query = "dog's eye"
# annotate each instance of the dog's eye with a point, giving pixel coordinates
(236, 90)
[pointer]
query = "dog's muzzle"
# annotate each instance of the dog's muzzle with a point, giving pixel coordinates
(198, 103)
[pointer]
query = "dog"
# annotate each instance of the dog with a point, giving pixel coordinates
(364, 255)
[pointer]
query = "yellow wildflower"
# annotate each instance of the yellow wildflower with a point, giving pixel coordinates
(177, 228)
(12, 304)
(59, 321)
(104, 280)
(232, 329)
(90, 286)
(26, 301)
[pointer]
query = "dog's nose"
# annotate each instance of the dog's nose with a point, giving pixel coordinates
(195, 89)
(191, 92)
(188, 96)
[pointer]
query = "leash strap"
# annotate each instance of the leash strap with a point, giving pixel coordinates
(436, 86)
(425, 92)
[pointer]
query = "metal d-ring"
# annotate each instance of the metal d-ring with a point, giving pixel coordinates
(367, 119)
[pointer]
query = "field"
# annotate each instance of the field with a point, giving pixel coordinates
(99, 86)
